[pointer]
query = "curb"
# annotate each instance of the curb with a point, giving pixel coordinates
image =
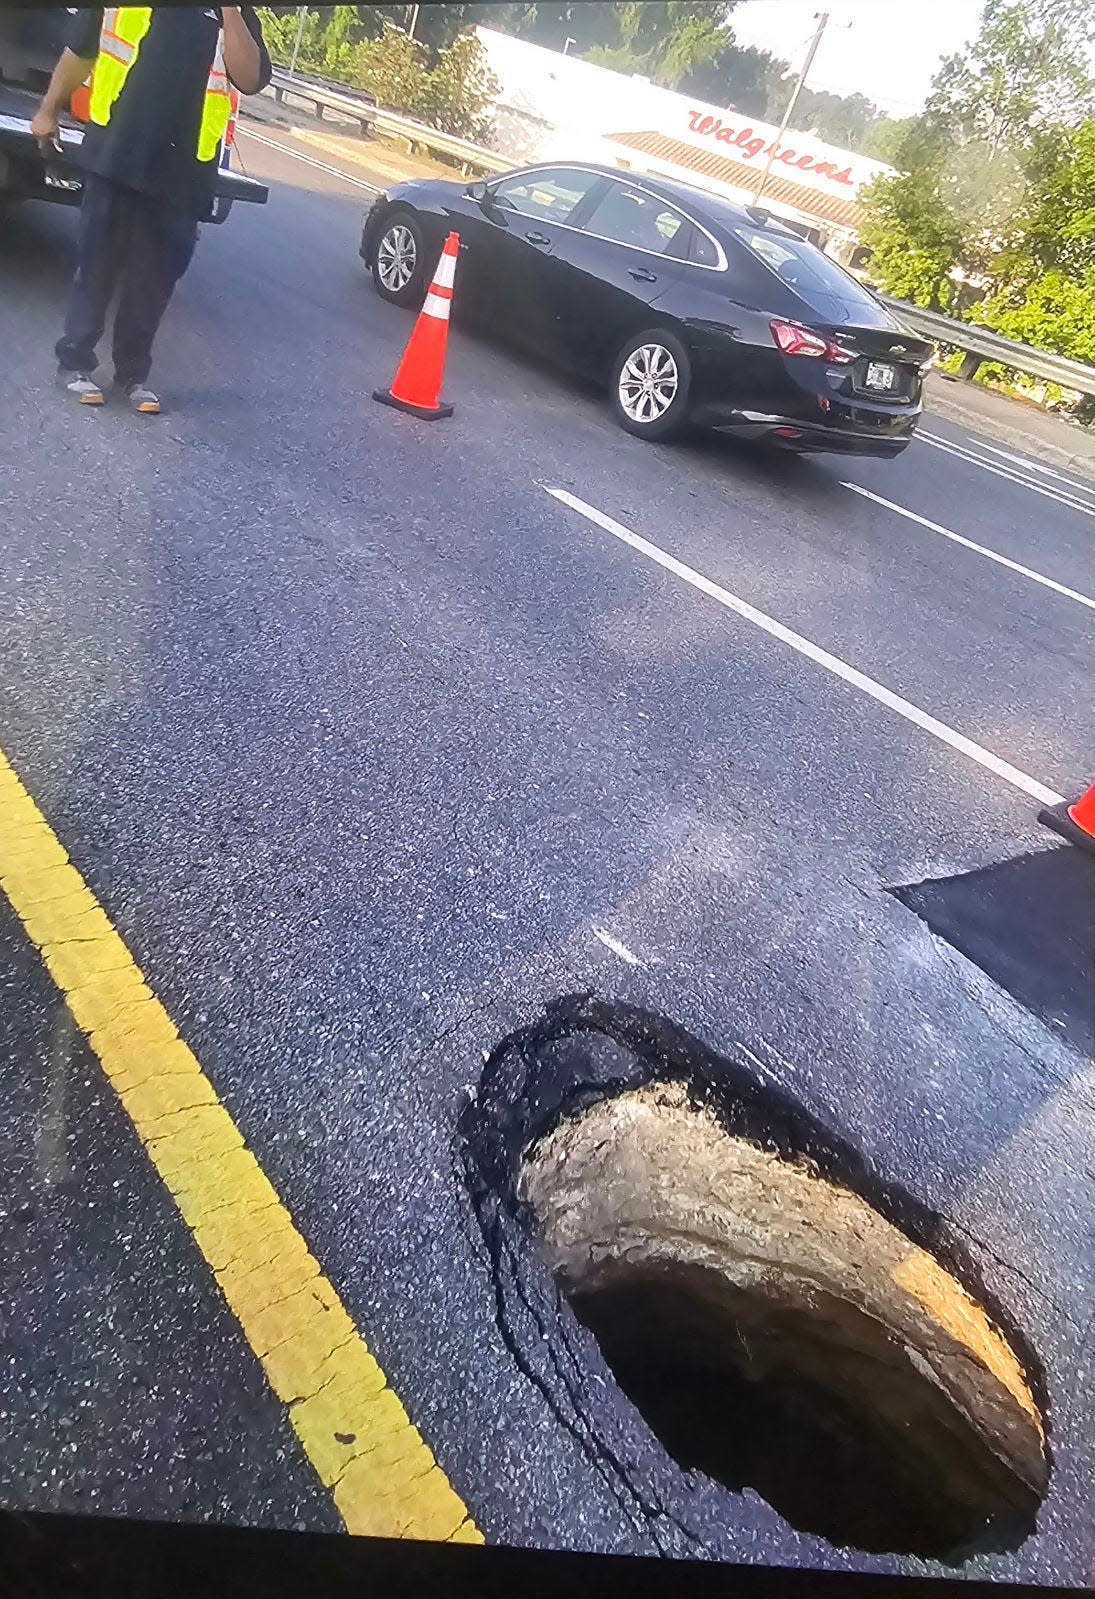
(1007, 433)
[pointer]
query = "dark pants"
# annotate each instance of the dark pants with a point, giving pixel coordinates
(137, 246)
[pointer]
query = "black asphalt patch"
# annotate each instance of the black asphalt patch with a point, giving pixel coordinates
(1029, 924)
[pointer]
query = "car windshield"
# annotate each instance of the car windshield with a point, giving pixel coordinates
(833, 293)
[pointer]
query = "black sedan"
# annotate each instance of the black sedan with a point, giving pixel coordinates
(689, 307)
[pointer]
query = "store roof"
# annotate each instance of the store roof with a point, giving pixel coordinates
(811, 202)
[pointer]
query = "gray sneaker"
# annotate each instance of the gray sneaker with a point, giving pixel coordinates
(142, 400)
(81, 385)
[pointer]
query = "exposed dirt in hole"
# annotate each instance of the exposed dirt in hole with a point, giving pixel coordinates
(584, 1052)
(778, 1332)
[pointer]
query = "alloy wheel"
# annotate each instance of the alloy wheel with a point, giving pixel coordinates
(648, 383)
(396, 258)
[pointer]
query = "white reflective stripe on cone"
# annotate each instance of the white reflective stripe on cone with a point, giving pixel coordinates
(445, 275)
(436, 305)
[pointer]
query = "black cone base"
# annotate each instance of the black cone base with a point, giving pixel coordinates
(386, 397)
(1057, 817)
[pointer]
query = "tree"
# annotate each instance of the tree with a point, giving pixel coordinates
(328, 39)
(913, 237)
(751, 81)
(885, 139)
(964, 161)
(1027, 68)
(757, 83)
(1058, 229)
(461, 91)
(841, 118)
(279, 29)
(393, 67)
(662, 39)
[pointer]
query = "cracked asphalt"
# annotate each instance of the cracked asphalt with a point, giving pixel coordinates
(365, 742)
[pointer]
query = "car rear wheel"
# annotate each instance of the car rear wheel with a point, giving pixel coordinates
(651, 382)
(398, 260)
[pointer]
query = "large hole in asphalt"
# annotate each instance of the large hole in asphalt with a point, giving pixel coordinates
(779, 1333)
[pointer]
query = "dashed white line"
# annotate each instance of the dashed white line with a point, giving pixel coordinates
(1009, 474)
(979, 549)
(615, 946)
(309, 161)
(813, 652)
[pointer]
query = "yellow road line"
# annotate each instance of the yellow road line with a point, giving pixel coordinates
(352, 1427)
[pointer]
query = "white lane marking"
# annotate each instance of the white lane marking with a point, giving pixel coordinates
(1006, 472)
(813, 652)
(309, 160)
(979, 549)
(1036, 466)
(615, 946)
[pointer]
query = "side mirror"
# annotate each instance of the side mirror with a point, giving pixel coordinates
(479, 192)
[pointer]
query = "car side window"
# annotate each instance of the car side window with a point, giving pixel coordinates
(632, 217)
(547, 195)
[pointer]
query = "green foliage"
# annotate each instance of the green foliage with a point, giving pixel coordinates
(843, 119)
(885, 139)
(996, 187)
(328, 39)
(689, 45)
(665, 40)
(1055, 312)
(442, 77)
(913, 238)
(1027, 67)
(461, 90)
(752, 81)
(1058, 229)
(394, 68)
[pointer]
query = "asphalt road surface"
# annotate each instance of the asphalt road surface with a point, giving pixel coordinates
(371, 744)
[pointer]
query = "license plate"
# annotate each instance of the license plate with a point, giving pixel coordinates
(880, 375)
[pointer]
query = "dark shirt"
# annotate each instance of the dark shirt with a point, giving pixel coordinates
(151, 141)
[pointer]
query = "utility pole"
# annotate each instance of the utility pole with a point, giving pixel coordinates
(822, 22)
(302, 12)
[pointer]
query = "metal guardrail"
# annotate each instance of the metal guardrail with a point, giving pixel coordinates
(981, 344)
(373, 119)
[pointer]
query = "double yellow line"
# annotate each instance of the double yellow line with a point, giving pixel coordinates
(352, 1427)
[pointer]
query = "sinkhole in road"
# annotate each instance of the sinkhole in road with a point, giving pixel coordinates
(777, 1316)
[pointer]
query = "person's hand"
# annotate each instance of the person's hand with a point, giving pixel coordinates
(45, 126)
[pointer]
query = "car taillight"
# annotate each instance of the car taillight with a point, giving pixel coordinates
(794, 339)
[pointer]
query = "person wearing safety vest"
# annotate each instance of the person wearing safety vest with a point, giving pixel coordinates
(159, 90)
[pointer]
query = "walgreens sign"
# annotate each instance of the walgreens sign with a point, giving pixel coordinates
(818, 165)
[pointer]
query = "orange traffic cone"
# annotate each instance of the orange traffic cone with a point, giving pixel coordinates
(417, 385)
(1075, 821)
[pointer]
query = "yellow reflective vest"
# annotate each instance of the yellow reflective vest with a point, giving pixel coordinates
(119, 46)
